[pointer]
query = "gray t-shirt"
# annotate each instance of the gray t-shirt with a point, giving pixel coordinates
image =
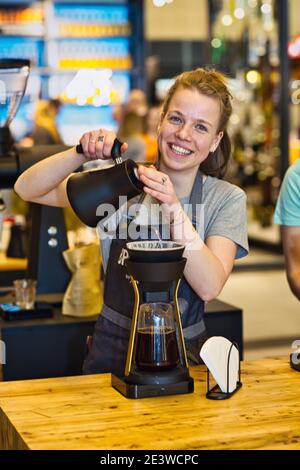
(223, 214)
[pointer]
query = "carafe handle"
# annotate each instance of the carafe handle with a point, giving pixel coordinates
(116, 154)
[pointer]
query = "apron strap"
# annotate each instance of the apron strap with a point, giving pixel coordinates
(194, 331)
(196, 198)
(190, 332)
(116, 317)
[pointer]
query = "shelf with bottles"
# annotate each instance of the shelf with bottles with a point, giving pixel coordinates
(65, 21)
(14, 3)
(74, 36)
(77, 53)
(22, 20)
(106, 2)
(46, 71)
(88, 20)
(89, 36)
(26, 47)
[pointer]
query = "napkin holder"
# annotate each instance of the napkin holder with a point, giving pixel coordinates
(295, 360)
(215, 393)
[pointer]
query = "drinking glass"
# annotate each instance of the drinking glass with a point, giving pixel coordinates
(25, 291)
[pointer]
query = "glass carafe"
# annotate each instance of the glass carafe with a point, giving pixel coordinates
(156, 344)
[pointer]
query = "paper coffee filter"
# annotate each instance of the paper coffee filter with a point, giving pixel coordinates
(215, 354)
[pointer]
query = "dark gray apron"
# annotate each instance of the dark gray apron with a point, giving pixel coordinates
(110, 339)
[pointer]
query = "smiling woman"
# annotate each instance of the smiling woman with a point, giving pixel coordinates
(203, 97)
(189, 130)
(194, 149)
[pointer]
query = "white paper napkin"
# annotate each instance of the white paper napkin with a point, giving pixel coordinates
(214, 354)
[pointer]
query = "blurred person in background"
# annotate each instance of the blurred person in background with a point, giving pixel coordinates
(287, 215)
(152, 119)
(45, 131)
(136, 102)
(131, 131)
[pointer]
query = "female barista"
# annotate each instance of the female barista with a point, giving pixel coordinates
(194, 150)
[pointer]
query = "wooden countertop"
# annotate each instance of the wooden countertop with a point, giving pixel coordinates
(84, 412)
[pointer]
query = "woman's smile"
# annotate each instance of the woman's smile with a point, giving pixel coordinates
(179, 151)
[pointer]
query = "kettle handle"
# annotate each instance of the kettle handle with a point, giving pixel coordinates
(115, 151)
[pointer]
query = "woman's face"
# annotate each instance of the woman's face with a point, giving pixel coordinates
(188, 131)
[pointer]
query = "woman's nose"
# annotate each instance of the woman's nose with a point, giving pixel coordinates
(183, 132)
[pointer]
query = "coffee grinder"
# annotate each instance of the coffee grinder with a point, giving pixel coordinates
(156, 359)
(48, 237)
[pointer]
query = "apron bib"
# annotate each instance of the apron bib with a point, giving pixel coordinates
(111, 335)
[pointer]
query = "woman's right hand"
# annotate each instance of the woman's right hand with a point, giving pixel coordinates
(98, 144)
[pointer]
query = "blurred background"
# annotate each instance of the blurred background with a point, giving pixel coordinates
(109, 63)
(135, 45)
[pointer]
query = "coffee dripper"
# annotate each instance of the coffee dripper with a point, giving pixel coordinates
(156, 362)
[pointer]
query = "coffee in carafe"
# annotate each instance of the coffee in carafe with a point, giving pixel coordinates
(156, 350)
(156, 343)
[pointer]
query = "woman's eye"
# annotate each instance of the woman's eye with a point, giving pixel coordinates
(174, 119)
(201, 128)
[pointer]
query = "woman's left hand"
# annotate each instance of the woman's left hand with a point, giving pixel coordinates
(159, 185)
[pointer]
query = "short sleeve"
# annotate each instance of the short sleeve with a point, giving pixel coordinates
(231, 221)
(287, 211)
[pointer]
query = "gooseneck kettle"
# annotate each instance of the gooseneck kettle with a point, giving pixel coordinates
(89, 189)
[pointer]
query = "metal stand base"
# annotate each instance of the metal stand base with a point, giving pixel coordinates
(295, 361)
(142, 391)
(216, 393)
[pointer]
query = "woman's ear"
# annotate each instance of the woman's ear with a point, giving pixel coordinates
(216, 142)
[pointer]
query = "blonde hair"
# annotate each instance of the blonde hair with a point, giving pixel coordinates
(212, 83)
(45, 115)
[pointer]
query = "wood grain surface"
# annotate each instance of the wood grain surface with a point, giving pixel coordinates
(84, 412)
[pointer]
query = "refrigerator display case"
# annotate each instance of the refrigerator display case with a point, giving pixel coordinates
(62, 37)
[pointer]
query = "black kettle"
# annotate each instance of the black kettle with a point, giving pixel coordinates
(87, 190)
